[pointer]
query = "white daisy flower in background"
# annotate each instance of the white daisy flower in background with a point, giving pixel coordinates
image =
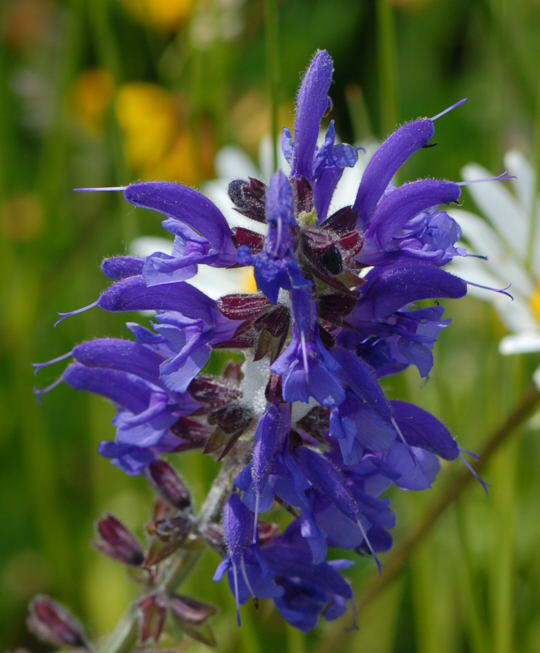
(510, 238)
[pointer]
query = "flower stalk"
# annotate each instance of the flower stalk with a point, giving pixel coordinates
(183, 562)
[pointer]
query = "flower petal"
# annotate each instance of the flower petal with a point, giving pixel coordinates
(520, 343)
(190, 207)
(390, 288)
(497, 203)
(312, 103)
(386, 161)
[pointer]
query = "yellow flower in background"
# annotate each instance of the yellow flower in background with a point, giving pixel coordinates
(147, 116)
(161, 14)
(92, 92)
(152, 121)
(156, 143)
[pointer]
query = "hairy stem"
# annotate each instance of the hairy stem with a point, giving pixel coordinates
(182, 563)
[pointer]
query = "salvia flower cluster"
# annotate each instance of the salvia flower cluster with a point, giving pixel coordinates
(335, 312)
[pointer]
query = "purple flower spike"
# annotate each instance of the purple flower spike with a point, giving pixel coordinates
(299, 407)
(312, 104)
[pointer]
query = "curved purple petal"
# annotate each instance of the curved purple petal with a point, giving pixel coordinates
(386, 161)
(312, 103)
(121, 355)
(133, 294)
(190, 207)
(405, 202)
(362, 380)
(390, 288)
(422, 429)
(131, 459)
(120, 387)
(120, 267)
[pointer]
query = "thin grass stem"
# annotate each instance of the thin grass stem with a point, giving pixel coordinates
(272, 72)
(386, 55)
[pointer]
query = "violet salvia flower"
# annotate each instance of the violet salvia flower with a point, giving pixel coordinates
(304, 418)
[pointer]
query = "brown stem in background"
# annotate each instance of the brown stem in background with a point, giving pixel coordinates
(397, 561)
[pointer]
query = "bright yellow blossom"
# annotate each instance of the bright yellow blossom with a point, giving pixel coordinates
(161, 14)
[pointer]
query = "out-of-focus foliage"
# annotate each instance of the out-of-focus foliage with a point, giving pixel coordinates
(102, 92)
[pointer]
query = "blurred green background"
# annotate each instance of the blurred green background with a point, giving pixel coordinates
(102, 92)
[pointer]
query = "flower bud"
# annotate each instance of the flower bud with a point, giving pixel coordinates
(188, 609)
(243, 306)
(248, 197)
(208, 390)
(117, 542)
(152, 614)
(249, 238)
(168, 484)
(54, 624)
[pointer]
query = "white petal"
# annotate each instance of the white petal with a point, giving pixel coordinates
(146, 245)
(476, 270)
(516, 314)
(520, 343)
(518, 166)
(266, 159)
(500, 261)
(347, 187)
(216, 282)
(507, 216)
(233, 163)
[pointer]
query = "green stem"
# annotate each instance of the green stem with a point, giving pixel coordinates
(386, 54)
(110, 59)
(296, 640)
(272, 71)
(475, 616)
